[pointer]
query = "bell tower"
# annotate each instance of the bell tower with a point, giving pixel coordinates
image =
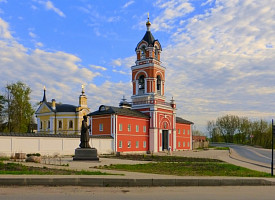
(148, 75)
(148, 79)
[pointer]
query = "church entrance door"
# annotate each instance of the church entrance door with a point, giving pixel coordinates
(164, 140)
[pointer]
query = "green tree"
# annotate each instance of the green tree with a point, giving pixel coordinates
(2, 106)
(19, 110)
(228, 126)
(214, 132)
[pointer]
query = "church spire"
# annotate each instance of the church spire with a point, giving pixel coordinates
(44, 97)
(148, 23)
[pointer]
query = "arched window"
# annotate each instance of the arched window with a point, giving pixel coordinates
(158, 84)
(60, 124)
(143, 52)
(156, 53)
(141, 84)
(71, 124)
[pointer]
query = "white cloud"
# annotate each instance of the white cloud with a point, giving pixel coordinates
(59, 71)
(39, 44)
(172, 10)
(113, 19)
(119, 71)
(220, 64)
(128, 4)
(34, 7)
(4, 32)
(98, 67)
(49, 6)
(117, 62)
(108, 93)
(32, 35)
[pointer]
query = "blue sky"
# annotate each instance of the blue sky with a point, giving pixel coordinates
(219, 55)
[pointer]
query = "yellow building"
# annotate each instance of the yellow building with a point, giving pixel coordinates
(55, 118)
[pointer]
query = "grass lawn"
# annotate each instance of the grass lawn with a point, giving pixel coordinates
(19, 169)
(183, 166)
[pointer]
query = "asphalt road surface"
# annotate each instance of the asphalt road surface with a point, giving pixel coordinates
(138, 193)
(251, 153)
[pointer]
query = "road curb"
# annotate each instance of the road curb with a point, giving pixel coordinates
(129, 182)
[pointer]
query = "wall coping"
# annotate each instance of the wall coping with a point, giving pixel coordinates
(52, 135)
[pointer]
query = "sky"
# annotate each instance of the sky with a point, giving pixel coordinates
(219, 54)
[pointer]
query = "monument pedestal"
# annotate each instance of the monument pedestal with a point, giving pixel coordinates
(86, 154)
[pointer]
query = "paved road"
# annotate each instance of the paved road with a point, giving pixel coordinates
(254, 154)
(138, 193)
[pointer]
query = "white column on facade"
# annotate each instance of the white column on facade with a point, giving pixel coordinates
(38, 125)
(115, 135)
(51, 124)
(112, 116)
(191, 138)
(174, 132)
(160, 133)
(91, 123)
(153, 139)
(136, 87)
(145, 86)
(156, 133)
(169, 142)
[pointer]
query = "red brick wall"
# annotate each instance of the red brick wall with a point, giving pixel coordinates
(182, 136)
(132, 136)
(103, 119)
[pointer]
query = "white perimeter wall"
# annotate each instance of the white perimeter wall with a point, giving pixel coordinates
(50, 145)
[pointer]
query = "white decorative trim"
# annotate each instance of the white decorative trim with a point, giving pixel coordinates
(148, 65)
(162, 76)
(141, 72)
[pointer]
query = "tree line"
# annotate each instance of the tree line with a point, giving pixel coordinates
(16, 111)
(240, 130)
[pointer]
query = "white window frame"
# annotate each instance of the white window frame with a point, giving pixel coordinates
(144, 129)
(129, 144)
(120, 144)
(129, 127)
(178, 131)
(183, 144)
(120, 127)
(178, 144)
(144, 144)
(100, 127)
(69, 124)
(137, 128)
(183, 131)
(61, 124)
(137, 144)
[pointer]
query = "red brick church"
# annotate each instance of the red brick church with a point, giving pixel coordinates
(148, 123)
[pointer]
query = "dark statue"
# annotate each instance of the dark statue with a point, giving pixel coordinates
(84, 139)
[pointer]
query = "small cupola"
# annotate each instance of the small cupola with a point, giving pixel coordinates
(53, 104)
(124, 104)
(172, 103)
(83, 98)
(148, 47)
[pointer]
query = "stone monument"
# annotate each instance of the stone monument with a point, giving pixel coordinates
(85, 152)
